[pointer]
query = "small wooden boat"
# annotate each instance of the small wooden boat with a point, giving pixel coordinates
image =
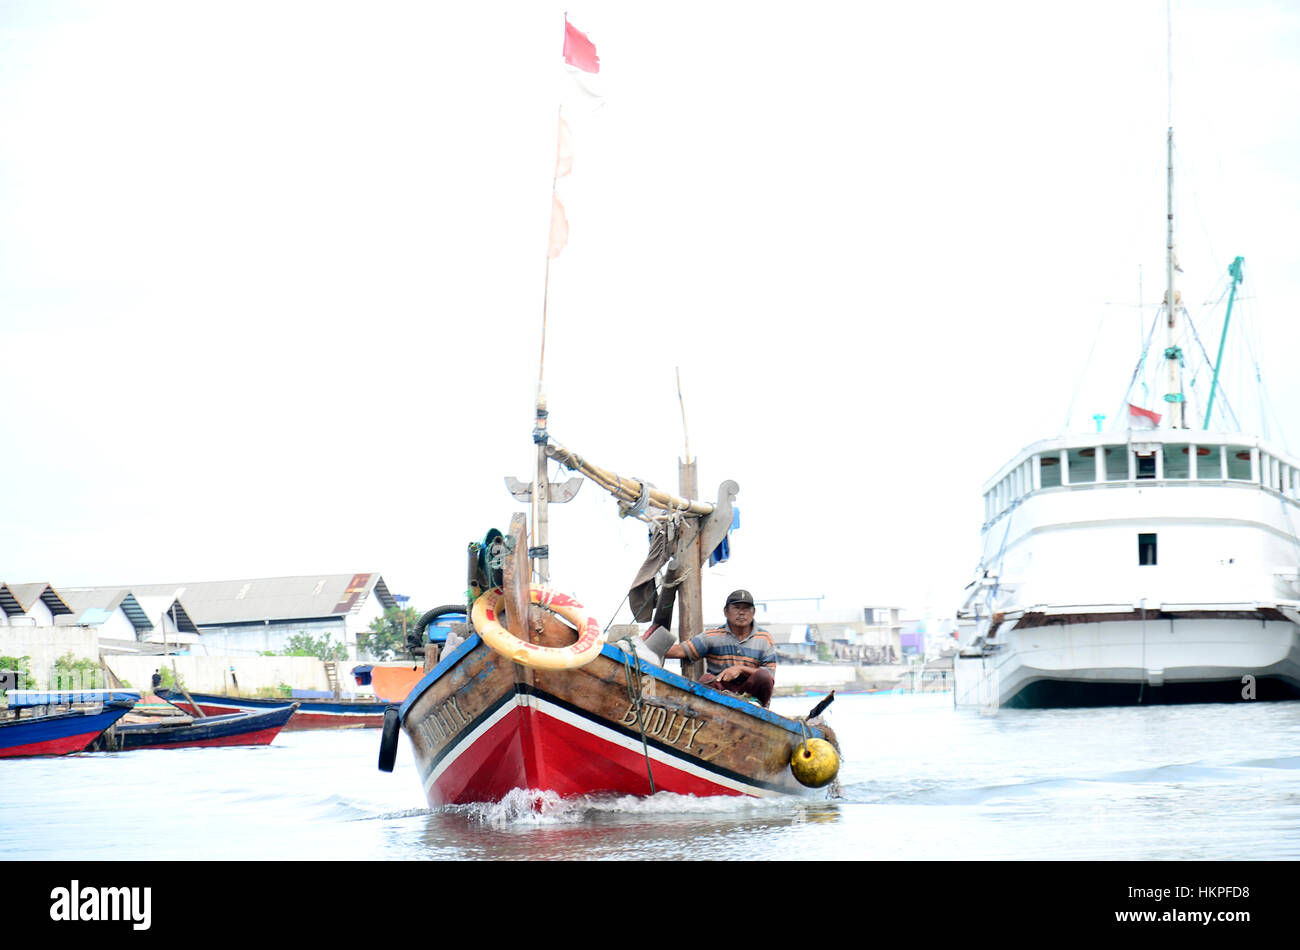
(481, 725)
(311, 714)
(56, 733)
(503, 710)
(535, 697)
(180, 732)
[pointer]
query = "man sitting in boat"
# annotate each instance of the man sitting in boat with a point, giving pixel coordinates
(739, 658)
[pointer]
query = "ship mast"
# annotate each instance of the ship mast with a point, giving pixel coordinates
(1173, 354)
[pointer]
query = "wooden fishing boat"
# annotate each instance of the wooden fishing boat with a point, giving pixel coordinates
(533, 695)
(481, 725)
(26, 732)
(311, 714)
(179, 732)
(508, 709)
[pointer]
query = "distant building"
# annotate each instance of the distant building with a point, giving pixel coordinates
(125, 618)
(870, 636)
(31, 605)
(864, 635)
(793, 640)
(261, 615)
(930, 638)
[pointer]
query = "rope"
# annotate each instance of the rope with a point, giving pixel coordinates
(633, 684)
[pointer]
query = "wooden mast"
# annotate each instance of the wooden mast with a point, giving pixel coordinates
(690, 603)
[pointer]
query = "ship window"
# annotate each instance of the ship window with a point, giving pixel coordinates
(1178, 463)
(1238, 462)
(1146, 465)
(1050, 471)
(1208, 462)
(1146, 549)
(1083, 468)
(1116, 464)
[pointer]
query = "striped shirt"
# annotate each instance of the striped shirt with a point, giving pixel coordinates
(720, 648)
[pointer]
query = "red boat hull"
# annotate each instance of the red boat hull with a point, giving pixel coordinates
(534, 749)
(239, 729)
(59, 733)
(324, 714)
(62, 746)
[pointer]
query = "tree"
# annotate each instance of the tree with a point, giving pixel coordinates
(304, 644)
(387, 637)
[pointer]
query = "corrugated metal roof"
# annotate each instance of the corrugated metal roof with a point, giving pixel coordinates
(215, 603)
(141, 610)
(87, 601)
(160, 605)
(16, 599)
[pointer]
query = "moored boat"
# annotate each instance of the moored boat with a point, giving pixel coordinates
(311, 714)
(56, 733)
(1141, 565)
(179, 732)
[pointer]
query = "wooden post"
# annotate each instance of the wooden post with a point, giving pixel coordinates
(690, 612)
(515, 578)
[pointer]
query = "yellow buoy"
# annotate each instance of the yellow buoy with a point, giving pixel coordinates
(815, 763)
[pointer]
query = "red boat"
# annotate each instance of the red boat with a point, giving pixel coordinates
(57, 733)
(507, 709)
(311, 714)
(181, 732)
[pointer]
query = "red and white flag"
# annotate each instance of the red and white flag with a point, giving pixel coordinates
(579, 50)
(579, 98)
(583, 86)
(1142, 418)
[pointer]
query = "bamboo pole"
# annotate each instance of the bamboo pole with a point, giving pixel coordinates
(626, 489)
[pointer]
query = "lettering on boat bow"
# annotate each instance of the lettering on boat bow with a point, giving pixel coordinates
(665, 724)
(444, 721)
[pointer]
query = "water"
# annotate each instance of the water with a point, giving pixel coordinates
(920, 781)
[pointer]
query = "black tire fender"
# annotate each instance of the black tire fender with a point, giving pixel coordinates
(388, 739)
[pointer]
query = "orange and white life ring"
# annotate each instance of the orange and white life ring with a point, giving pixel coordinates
(487, 611)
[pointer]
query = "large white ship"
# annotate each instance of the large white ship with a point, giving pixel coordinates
(1146, 565)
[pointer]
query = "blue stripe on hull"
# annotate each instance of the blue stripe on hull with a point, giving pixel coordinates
(25, 732)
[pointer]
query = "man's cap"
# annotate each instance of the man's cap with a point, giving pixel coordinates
(739, 597)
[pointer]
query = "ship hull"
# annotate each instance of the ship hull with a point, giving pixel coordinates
(481, 726)
(1150, 661)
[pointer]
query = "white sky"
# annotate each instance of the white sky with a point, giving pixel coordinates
(271, 273)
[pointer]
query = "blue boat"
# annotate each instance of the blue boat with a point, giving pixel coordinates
(312, 713)
(58, 733)
(182, 732)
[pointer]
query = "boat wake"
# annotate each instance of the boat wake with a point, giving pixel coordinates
(528, 807)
